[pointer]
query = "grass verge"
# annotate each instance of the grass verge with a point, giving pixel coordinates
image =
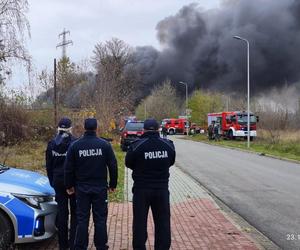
(283, 150)
(118, 196)
(31, 156)
(26, 155)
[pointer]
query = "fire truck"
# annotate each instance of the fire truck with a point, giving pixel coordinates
(233, 124)
(175, 125)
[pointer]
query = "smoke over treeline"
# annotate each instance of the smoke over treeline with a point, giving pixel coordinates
(198, 46)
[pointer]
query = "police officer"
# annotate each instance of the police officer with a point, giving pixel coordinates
(55, 157)
(150, 159)
(86, 174)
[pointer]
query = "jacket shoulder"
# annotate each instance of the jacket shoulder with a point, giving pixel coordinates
(168, 142)
(137, 143)
(52, 140)
(75, 141)
(50, 143)
(73, 138)
(104, 142)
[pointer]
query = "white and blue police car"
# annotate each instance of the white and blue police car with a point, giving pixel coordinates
(27, 206)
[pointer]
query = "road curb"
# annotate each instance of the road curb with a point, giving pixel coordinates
(262, 241)
(244, 150)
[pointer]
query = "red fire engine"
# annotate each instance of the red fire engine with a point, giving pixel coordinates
(175, 125)
(233, 124)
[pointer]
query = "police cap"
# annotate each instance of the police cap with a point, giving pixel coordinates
(64, 122)
(151, 124)
(90, 124)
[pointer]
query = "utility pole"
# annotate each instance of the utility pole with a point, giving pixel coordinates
(55, 95)
(64, 42)
(64, 45)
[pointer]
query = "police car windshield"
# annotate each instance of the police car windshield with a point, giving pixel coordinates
(134, 126)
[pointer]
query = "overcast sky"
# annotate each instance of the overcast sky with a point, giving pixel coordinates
(93, 21)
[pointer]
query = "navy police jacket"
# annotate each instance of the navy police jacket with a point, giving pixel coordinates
(55, 157)
(150, 159)
(88, 160)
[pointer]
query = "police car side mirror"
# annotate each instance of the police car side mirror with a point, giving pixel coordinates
(257, 118)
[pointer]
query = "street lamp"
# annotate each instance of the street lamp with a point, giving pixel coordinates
(248, 87)
(186, 104)
(186, 96)
(145, 110)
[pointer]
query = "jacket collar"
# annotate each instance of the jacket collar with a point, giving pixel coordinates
(152, 134)
(90, 133)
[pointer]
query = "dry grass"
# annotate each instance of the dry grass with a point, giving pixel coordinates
(285, 136)
(27, 155)
(285, 145)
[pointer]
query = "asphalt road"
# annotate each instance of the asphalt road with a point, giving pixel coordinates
(263, 190)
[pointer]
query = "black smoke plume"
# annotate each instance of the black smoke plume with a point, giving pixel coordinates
(198, 46)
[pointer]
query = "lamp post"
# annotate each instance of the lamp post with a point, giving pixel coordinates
(145, 111)
(248, 87)
(186, 96)
(186, 103)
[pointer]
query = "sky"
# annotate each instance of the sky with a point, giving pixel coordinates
(94, 21)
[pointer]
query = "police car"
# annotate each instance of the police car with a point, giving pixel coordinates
(132, 131)
(27, 206)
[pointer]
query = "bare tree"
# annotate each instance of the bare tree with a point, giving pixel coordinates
(14, 27)
(116, 80)
(46, 80)
(274, 121)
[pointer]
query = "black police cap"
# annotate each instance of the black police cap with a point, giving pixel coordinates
(90, 124)
(64, 122)
(151, 124)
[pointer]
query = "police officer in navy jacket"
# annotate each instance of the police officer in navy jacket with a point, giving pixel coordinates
(150, 159)
(88, 161)
(55, 156)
